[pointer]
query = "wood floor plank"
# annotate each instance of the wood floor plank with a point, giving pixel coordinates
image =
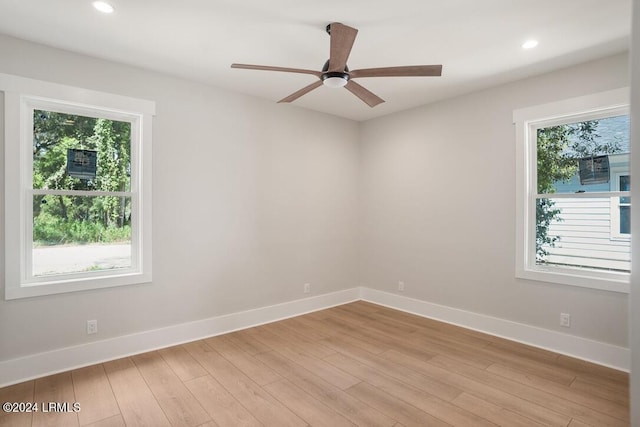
(296, 324)
(221, 406)
(244, 340)
(54, 389)
(426, 324)
(137, 403)
(383, 342)
(304, 358)
(291, 338)
(351, 408)
(523, 350)
(612, 385)
(602, 405)
(450, 338)
(305, 406)
(242, 360)
(23, 392)
(546, 370)
(593, 371)
(576, 423)
(116, 421)
(174, 398)
(387, 324)
(93, 392)
(261, 404)
(351, 334)
(316, 325)
(340, 343)
(411, 344)
(430, 404)
(363, 306)
(398, 409)
(494, 413)
(533, 395)
(472, 386)
(388, 328)
(618, 394)
(185, 366)
(409, 376)
(327, 371)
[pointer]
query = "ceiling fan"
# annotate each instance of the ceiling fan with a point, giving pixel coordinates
(335, 72)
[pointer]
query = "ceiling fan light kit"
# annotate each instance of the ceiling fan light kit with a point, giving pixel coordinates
(334, 79)
(336, 74)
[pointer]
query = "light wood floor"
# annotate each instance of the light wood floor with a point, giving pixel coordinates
(357, 364)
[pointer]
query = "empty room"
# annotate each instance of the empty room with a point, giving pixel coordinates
(411, 213)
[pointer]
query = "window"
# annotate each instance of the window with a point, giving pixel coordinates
(621, 208)
(573, 192)
(77, 202)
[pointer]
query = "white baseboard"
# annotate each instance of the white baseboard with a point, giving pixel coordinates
(64, 359)
(594, 351)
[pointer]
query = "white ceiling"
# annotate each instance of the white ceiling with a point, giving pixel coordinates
(477, 41)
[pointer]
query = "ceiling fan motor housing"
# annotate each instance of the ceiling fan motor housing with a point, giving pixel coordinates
(334, 78)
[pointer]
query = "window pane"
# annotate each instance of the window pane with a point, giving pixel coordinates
(580, 156)
(625, 185)
(625, 219)
(72, 152)
(576, 232)
(74, 234)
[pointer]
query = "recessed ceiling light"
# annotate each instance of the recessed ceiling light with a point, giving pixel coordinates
(530, 44)
(103, 6)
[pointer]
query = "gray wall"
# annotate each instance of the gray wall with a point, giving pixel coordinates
(250, 201)
(253, 199)
(438, 206)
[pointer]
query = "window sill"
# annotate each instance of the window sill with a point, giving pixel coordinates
(80, 284)
(607, 281)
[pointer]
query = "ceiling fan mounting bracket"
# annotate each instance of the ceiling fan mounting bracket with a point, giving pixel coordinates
(325, 67)
(328, 28)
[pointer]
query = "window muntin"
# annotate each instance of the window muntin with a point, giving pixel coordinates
(606, 267)
(124, 241)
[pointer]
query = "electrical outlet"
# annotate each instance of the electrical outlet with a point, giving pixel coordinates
(92, 327)
(565, 320)
(401, 286)
(307, 288)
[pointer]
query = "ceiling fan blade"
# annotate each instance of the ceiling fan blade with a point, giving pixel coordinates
(369, 98)
(408, 71)
(342, 38)
(301, 92)
(283, 69)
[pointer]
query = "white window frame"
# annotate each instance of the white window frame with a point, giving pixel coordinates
(527, 121)
(615, 207)
(21, 97)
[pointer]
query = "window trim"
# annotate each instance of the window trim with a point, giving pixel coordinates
(20, 95)
(527, 120)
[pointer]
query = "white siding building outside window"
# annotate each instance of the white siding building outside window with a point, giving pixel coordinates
(588, 237)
